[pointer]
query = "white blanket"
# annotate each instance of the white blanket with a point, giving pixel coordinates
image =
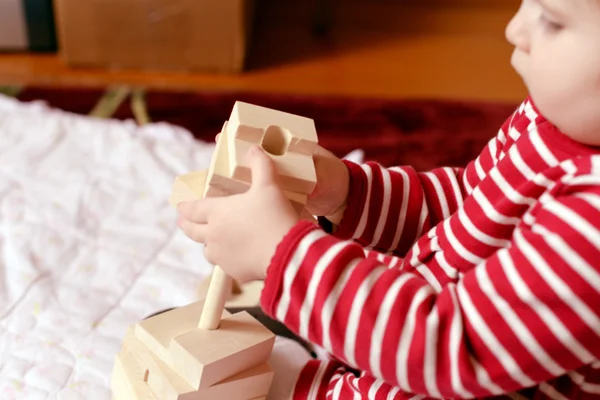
(88, 244)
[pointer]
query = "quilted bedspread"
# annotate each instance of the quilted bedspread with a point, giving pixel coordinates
(88, 244)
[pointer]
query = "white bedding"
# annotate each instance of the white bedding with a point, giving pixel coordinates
(88, 244)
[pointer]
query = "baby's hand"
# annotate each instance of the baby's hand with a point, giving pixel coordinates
(241, 232)
(333, 181)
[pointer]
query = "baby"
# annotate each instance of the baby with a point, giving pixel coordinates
(455, 283)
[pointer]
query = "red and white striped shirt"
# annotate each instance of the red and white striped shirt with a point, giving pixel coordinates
(475, 282)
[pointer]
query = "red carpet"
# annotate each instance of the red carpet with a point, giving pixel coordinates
(421, 133)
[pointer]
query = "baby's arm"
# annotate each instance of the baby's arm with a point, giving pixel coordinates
(388, 209)
(524, 316)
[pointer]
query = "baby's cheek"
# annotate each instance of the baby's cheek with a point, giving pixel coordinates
(588, 121)
(550, 101)
(576, 113)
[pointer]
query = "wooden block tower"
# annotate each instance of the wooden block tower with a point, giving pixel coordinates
(201, 351)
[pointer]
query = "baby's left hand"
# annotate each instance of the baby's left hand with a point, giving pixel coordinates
(241, 232)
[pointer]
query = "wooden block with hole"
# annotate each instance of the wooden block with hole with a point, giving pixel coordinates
(205, 357)
(288, 139)
(129, 379)
(166, 384)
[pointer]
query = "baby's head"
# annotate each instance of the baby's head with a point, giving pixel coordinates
(557, 53)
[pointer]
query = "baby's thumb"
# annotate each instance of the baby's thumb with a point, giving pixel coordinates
(263, 168)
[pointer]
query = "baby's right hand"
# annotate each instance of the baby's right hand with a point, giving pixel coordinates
(333, 181)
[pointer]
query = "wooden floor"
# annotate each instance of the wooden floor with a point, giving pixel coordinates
(445, 50)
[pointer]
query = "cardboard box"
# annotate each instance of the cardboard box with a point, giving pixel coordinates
(27, 25)
(180, 35)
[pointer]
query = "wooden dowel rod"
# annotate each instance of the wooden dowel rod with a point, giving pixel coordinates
(214, 303)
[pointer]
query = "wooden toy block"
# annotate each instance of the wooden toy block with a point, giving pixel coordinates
(248, 295)
(219, 176)
(252, 121)
(296, 171)
(221, 179)
(128, 379)
(191, 186)
(289, 140)
(204, 357)
(156, 332)
(166, 384)
(188, 187)
(253, 383)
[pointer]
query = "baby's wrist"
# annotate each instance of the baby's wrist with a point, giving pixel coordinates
(284, 226)
(337, 216)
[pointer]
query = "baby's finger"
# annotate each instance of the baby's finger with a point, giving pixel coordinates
(196, 232)
(196, 211)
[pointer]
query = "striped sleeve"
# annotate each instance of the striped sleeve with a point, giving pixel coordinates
(525, 315)
(388, 209)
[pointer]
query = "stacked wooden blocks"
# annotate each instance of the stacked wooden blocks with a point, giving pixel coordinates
(167, 357)
(172, 356)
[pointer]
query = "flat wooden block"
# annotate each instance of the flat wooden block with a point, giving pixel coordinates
(254, 383)
(188, 187)
(160, 378)
(191, 186)
(203, 357)
(166, 384)
(128, 379)
(156, 332)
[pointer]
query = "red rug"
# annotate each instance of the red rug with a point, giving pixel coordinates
(423, 133)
